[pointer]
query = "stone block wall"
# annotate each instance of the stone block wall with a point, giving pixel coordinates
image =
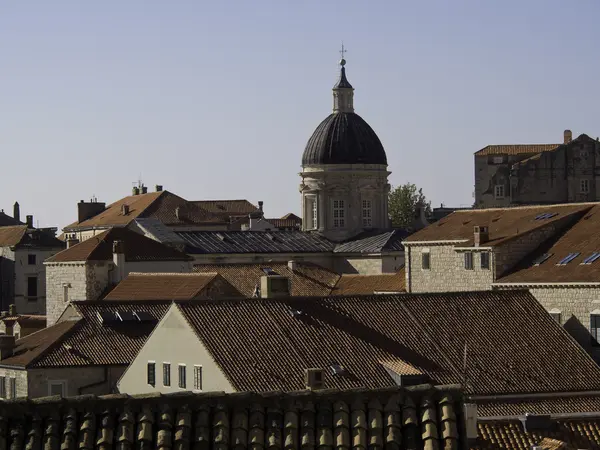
(97, 380)
(447, 271)
(58, 275)
(20, 379)
(24, 270)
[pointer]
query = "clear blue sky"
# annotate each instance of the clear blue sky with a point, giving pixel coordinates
(216, 99)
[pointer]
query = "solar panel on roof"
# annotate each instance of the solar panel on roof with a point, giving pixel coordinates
(106, 316)
(144, 316)
(567, 259)
(541, 259)
(126, 316)
(590, 259)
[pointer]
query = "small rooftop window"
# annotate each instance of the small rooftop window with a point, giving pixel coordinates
(337, 369)
(269, 271)
(567, 259)
(541, 259)
(590, 259)
(106, 316)
(545, 216)
(144, 316)
(126, 316)
(220, 237)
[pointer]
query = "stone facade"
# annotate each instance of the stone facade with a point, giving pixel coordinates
(570, 173)
(352, 184)
(20, 377)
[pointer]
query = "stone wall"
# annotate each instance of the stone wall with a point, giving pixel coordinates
(78, 380)
(447, 271)
(325, 259)
(20, 378)
(24, 270)
(7, 277)
(59, 275)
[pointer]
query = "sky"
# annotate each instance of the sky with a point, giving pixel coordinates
(217, 99)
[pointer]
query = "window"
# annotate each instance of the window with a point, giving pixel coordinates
(311, 212)
(595, 328)
(13, 387)
(31, 260)
(425, 260)
(366, 213)
(567, 259)
(498, 159)
(555, 316)
(57, 388)
(485, 260)
(584, 186)
(182, 376)
(499, 191)
(339, 214)
(151, 373)
(2, 387)
(32, 288)
(315, 219)
(469, 260)
(198, 378)
(166, 374)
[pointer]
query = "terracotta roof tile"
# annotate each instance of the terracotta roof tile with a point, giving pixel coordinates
(12, 235)
(369, 284)
(93, 343)
(503, 223)
(580, 402)
(161, 286)
(564, 434)
(397, 418)
(307, 280)
(582, 238)
(233, 207)
(277, 339)
(32, 347)
(137, 248)
(515, 149)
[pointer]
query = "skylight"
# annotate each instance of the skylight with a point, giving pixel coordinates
(337, 369)
(126, 316)
(567, 259)
(590, 259)
(269, 271)
(545, 216)
(541, 259)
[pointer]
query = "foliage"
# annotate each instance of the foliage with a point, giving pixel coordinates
(403, 203)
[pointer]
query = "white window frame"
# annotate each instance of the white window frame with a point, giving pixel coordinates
(489, 260)
(198, 377)
(166, 363)
(339, 213)
(469, 261)
(315, 213)
(147, 373)
(584, 186)
(61, 383)
(367, 212)
(499, 192)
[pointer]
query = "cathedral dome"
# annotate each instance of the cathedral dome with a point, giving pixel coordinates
(344, 137)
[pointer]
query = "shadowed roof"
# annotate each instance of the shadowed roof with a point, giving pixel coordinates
(515, 149)
(161, 286)
(350, 284)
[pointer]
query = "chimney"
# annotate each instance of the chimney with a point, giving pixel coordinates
(7, 346)
(71, 241)
(480, 235)
(135, 190)
(87, 210)
(29, 220)
(178, 213)
(470, 410)
(144, 190)
(292, 265)
(17, 212)
(159, 188)
(272, 286)
(568, 135)
(313, 378)
(125, 209)
(260, 205)
(12, 310)
(118, 260)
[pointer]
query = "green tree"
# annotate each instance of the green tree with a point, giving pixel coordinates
(403, 203)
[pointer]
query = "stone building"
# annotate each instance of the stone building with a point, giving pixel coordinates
(344, 172)
(507, 175)
(23, 250)
(86, 271)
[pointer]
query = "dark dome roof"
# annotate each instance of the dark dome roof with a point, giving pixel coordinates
(344, 138)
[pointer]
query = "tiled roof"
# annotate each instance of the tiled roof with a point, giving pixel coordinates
(157, 205)
(32, 347)
(277, 339)
(292, 216)
(92, 343)
(503, 223)
(350, 284)
(582, 238)
(571, 403)
(232, 207)
(10, 236)
(206, 242)
(6, 220)
(307, 280)
(396, 418)
(564, 434)
(285, 223)
(137, 248)
(161, 286)
(374, 242)
(25, 320)
(515, 149)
